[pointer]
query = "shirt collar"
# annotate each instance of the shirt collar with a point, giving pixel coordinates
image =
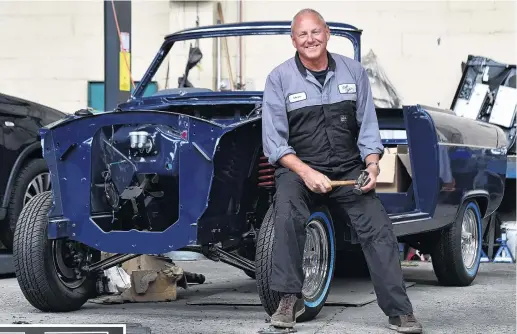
(303, 70)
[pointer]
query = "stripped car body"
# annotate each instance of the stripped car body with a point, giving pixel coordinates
(184, 170)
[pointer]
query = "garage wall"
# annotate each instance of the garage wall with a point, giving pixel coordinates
(50, 50)
(419, 44)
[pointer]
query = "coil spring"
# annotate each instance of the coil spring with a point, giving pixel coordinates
(266, 173)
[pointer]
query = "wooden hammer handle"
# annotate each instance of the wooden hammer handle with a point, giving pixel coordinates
(342, 183)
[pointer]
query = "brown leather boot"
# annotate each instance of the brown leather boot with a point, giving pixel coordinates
(405, 324)
(290, 308)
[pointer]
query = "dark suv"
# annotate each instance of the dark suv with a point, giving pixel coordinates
(23, 172)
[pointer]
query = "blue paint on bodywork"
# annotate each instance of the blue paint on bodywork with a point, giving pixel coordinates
(73, 178)
(510, 170)
(422, 141)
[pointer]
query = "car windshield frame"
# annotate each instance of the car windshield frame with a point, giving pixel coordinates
(348, 31)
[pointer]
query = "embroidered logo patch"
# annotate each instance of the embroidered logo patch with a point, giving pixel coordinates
(347, 88)
(297, 97)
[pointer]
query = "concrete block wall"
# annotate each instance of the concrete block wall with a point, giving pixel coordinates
(420, 44)
(182, 15)
(50, 50)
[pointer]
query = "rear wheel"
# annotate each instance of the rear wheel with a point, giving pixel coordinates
(48, 270)
(318, 263)
(457, 254)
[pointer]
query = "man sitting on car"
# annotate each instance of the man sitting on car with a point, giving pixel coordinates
(319, 123)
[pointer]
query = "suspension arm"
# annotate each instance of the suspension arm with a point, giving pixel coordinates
(109, 262)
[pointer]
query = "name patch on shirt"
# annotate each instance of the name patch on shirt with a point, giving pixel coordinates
(297, 97)
(347, 88)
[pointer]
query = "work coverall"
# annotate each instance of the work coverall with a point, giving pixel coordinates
(332, 127)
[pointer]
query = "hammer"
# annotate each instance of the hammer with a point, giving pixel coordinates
(362, 180)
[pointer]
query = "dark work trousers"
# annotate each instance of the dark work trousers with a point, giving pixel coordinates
(369, 220)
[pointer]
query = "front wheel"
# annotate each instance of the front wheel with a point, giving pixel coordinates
(48, 270)
(457, 254)
(318, 263)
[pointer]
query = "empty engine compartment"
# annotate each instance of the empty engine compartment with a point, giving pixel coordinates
(134, 180)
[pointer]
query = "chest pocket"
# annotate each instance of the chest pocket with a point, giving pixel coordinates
(343, 128)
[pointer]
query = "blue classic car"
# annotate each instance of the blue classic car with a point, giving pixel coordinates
(184, 170)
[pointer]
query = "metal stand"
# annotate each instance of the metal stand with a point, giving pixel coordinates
(503, 255)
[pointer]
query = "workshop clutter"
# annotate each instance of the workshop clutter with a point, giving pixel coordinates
(145, 278)
(395, 168)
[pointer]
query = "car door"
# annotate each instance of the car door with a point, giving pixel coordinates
(14, 134)
(3, 168)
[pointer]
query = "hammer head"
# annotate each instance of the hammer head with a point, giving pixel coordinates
(362, 180)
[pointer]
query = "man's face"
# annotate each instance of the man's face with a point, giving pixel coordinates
(310, 36)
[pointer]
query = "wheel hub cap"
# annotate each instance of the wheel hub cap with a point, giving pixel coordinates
(315, 258)
(469, 239)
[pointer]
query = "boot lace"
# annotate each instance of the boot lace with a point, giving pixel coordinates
(286, 303)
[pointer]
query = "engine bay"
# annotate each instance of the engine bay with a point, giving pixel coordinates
(134, 181)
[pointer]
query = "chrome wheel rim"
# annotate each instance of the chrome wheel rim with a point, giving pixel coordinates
(315, 259)
(469, 238)
(38, 185)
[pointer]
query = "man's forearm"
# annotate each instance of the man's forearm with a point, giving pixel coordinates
(372, 158)
(294, 163)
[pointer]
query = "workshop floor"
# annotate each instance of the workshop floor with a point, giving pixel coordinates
(488, 304)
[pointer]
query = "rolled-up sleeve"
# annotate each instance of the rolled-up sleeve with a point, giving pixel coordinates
(275, 126)
(369, 139)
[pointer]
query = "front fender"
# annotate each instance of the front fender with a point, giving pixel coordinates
(74, 151)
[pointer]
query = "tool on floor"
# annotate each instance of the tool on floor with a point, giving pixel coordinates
(362, 180)
(276, 330)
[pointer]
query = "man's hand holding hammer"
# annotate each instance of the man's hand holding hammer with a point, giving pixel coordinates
(372, 167)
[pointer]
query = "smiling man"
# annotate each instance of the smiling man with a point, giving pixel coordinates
(319, 123)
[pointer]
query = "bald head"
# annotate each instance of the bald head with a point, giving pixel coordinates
(310, 34)
(306, 12)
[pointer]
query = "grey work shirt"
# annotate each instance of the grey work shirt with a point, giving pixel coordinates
(294, 103)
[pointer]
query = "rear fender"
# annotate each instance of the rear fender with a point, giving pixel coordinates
(453, 159)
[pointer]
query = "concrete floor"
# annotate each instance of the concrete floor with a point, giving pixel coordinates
(487, 306)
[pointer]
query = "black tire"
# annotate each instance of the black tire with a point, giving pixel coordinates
(263, 260)
(33, 257)
(29, 171)
(447, 259)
